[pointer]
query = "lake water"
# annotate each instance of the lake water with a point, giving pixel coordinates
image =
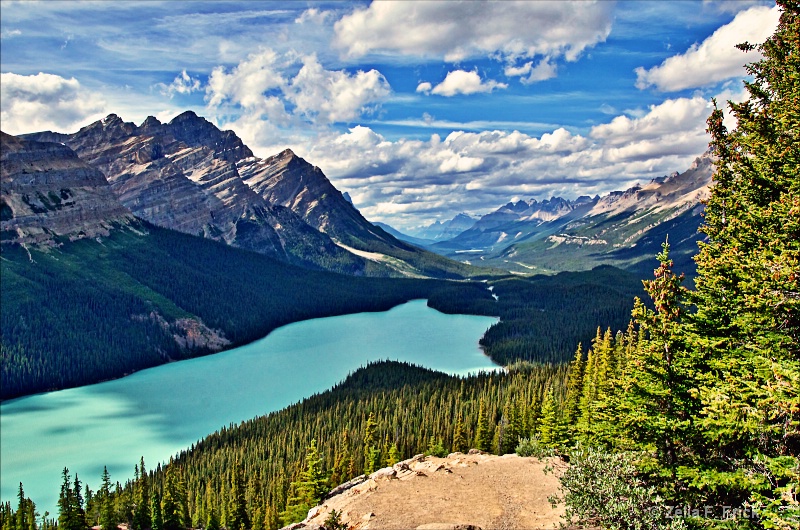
(157, 412)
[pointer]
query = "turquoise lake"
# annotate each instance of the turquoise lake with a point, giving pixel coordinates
(157, 412)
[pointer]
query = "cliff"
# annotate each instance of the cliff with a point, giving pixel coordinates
(47, 191)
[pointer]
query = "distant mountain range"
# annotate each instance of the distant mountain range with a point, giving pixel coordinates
(188, 175)
(623, 228)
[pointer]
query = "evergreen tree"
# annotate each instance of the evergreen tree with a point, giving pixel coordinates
(141, 498)
(747, 321)
(157, 521)
(108, 519)
(237, 505)
(460, 444)
(484, 431)
(309, 489)
(550, 431)
(574, 388)
(371, 452)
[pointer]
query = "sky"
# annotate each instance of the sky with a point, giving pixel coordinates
(419, 110)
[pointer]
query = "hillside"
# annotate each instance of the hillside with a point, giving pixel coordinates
(95, 309)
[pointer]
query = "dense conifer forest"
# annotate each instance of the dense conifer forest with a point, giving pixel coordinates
(94, 310)
(257, 474)
(542, 318)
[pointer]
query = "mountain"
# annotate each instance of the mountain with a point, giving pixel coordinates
(404, 237)
(439, 231)
(623, 228)
(188, 175)
(49, 193)
(288, 180)
(182, 175)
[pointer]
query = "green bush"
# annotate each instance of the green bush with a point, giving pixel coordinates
(533, 447)
(606, 490)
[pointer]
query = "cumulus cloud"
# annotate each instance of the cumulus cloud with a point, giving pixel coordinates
(424, 87)
(45, 102)
(461, 82)
(247, 83)
(182, 84)
(406, 181)
(262, 86)
(457, 31)
(716, 58)
(335, 96)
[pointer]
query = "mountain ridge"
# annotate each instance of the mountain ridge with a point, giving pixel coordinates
(189, 176)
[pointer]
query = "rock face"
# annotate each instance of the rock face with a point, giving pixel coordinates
(183, 175)
(188, 175)
(465, 492)
(47, 191)
(290, 181)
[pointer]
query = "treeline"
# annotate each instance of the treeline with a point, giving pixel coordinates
(256, 474)
(542, 318)
(94, 310)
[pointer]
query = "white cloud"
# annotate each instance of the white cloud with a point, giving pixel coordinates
(262, 86)
(335, 96)
(716, 58)
(182, 84)
(313, 16)
(424, 87)
(462, 82)
(544, 70)
(456, 31)
(10, 33)
(246, 84)
(45, 102)
(408, 181)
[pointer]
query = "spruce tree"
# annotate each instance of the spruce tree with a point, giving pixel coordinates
(484, 430)
(747, 320)
(107, 516)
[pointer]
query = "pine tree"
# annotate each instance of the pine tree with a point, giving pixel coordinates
(460, 444)
(484, 430)
(747, 321)
(157, 521)
(107, 516)
(550, 429)
(573, 396)
(237, 505)
(309, 489)
(141, 511)
(371, 451)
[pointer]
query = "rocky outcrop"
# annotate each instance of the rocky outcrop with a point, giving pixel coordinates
(460, 491)
(47, 191)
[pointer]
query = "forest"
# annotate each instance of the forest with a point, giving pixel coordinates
(92, 310)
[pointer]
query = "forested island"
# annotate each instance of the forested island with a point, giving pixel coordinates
(693, 403)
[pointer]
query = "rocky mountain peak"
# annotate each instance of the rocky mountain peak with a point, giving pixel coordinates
(150, 124)
(196, 131)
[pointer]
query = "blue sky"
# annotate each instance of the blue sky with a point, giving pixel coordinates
(420, 110)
